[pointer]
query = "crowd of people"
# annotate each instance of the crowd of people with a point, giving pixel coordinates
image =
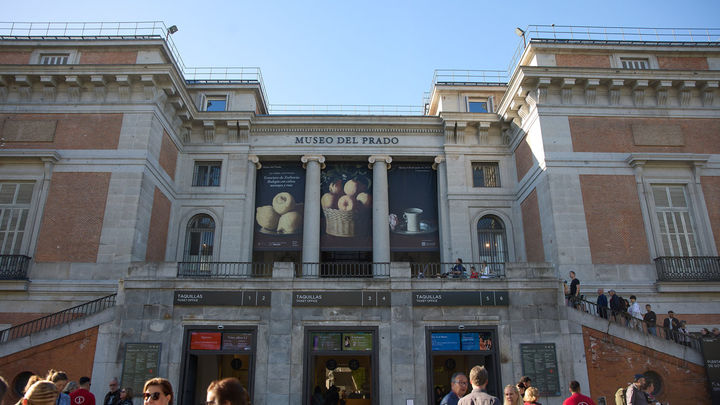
(55, 389)
(628, 312)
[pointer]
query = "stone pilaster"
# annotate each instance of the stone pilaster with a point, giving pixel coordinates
(381, 210)
(443, 208)
(247, 246)
(311, 222)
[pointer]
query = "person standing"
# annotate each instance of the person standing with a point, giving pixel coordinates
(511, 396)
(634, 311)
(650, 320)
(113, 396)
(576, 398)
(574, 293)
(82, 395)
(126, 395)
(532, 395)
(228, 391)
(635, 394)
(60, 379)
(615, 306)
(671, 326)
(478, 396)
(602, 304)
(458, 388)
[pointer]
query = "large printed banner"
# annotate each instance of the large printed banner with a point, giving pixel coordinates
(279, 204)
(346, 202)
(412, 193)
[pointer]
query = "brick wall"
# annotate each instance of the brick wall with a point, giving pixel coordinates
(60, 131)
(108, 57)
(523, 158)
(614, 220)
(683, 63)
(168, 155)
(711, 190)
(612, 362)
(575, 60)
(73, 218)
(16, 318)
(14, 58)
(531, 228)
(675, 135)
(73, 354)
(159, 222)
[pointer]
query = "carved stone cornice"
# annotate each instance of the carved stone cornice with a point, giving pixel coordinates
(639, 92)
(209, 130)
(708, 91)
(661, 91)
(567, 90)
(686, 88)
(255, 160)
(314, 158)
(591, 90)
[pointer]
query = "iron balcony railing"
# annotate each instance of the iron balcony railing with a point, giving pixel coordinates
(484, 270)
(14, 267)
(623, 318)
(132, 30)
(58, 318)
(345, 109)
(224, 270)
(343, 270)
(688, 268)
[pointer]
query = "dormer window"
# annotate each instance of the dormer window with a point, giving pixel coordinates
(215, 103)
(635, 63)
(479, 105)
(54, 59)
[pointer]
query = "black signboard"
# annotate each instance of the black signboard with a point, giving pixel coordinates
(252, 298)
(460, 298)
(412, 192)
(539, 362)
(711, 353)
(141, 363)
(341, 298)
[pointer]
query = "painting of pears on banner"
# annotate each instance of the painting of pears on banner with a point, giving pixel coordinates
(412, 199)
(346, 202)
(279, 197)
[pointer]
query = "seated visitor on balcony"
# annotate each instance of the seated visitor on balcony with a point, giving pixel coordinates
(474, 273)
(458, 271)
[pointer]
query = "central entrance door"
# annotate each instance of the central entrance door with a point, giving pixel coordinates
(342, 363)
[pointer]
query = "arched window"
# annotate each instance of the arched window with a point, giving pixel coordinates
(199, 239)
(492, 243)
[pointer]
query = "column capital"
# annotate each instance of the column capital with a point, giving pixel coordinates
(439, 159)
(254, 159)
(379, 158)
(313, 158)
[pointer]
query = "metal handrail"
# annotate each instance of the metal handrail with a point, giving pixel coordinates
(200, 269)
(445, 270)
(14, 267)
(346, 109)
(688, 268)
(623, 318)
(343, 270)
(58, 318)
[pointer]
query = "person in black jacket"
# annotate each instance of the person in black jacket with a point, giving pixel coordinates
(671, 326)
(602, 304)
(650, 320)
(615, 305)
(113, 396)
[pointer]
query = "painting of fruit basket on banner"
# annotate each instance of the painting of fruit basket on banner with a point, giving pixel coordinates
(279, 198)
(413, 219)
(346, 202)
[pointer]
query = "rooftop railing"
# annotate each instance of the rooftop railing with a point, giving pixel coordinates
(346, 109)
(131, 30)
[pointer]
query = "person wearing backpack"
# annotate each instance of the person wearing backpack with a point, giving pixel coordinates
(635, 394)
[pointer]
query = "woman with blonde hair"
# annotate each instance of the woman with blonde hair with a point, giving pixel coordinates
(41, 393)
(531, 396)
(511, 395)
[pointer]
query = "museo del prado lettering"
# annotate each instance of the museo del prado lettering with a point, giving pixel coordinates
(346, 140)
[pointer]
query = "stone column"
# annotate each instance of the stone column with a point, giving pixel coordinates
(443, 209)
(311, 217)
(247, 244)
(381, 210)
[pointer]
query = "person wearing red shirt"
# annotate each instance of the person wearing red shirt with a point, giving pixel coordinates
(576, 398)
(82, 395)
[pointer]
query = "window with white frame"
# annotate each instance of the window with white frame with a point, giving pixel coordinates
(485, 174)
(215, 103)
(479, 105)
(635, 63)
(54, 58)
(15, 199)
(674, 220)
(206, 174)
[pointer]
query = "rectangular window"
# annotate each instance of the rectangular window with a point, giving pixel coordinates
(216, 103)
(206, 174)
(15, 201)
(54, 59)
(479, 105)
(635, 63)
(485, 174)
(674, 220)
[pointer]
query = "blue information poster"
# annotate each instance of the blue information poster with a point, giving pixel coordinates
(445, 341)
(470, 341)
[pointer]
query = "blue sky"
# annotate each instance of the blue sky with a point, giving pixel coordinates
(368, 52)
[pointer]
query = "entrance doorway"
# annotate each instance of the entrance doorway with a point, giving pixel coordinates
(451, 351)
(210, 355)
(342, 363)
